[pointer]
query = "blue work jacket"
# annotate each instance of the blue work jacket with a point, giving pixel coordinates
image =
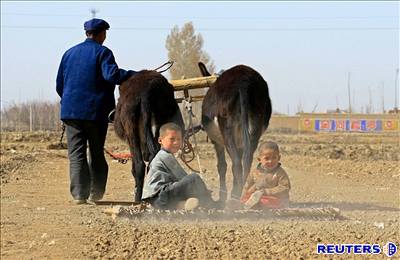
(86, 81)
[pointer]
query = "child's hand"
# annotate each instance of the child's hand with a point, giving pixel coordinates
(259, 184)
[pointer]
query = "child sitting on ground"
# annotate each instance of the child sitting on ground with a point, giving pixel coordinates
(268, 185)
(167, 185)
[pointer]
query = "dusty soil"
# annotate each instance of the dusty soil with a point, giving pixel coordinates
(357, 173)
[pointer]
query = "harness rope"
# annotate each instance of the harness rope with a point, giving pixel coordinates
(170, 63)
(120, 157)
(188, 148)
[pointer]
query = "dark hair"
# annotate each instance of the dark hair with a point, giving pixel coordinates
(169, 126)
(94, 32)
(268, 145)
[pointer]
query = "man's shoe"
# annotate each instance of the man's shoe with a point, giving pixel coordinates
(253, 200)
(79, 202)
(95, 197)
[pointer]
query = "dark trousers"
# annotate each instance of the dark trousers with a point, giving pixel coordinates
(88, 172)
(189, 186)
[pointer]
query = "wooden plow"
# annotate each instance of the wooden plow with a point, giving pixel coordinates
(143, 212)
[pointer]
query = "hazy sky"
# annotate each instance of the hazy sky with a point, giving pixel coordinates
(304, 50)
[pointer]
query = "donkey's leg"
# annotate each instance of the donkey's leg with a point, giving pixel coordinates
(229, 139)
(221, 165)
(138, 168)
(248, 161)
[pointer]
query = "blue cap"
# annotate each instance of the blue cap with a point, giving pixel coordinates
(96, 25)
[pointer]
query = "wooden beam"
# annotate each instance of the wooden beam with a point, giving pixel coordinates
(193, 83)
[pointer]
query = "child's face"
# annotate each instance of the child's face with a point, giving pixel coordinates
(269, 158)
(171, 141)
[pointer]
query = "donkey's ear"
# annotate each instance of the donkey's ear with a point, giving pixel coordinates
(203, 69)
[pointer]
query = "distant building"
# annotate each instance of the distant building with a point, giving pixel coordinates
(336, 111)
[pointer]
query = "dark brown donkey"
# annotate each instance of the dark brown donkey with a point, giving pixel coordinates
(235, 113)
(146, 102)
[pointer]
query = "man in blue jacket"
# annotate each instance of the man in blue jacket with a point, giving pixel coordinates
(86, 82)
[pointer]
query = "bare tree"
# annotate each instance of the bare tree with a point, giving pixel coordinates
(185, 49)
(33, 116)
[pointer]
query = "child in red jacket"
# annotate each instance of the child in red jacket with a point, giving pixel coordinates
(268, 185)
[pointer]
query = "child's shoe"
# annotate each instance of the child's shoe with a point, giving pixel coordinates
(189, 204)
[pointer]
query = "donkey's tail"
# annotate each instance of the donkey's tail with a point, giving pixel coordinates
(152, 146)
(244, 114)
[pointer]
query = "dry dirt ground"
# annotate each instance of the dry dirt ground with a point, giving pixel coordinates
(357, 173)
